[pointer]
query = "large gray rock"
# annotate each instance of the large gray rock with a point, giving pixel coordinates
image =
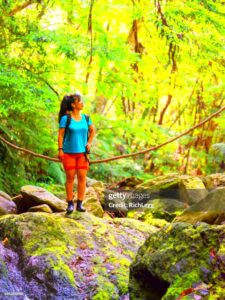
(180, 259)
(38, 195)
(211, 209)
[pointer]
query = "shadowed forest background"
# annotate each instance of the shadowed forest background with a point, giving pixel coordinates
(148, 70)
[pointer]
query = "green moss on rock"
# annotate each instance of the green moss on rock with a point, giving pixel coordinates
(76, 248)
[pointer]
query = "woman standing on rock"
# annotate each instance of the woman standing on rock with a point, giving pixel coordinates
(76, 133)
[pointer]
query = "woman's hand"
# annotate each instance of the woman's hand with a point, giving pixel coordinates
(60, 155)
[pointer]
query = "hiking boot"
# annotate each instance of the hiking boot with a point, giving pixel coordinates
(70, 207)
(79, 206)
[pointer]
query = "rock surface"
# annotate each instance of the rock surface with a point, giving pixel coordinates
(92, 203)
(213, 181)
(40, 208)
(192, 190)
(5, 195)
(163, 211)
(168, 181)
(210, 209)
(7, 206)
(53, 257)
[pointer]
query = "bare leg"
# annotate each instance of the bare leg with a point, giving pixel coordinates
(70, 175)
(81, 183)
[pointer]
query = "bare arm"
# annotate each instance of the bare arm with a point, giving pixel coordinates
(91, 129)
(61, 133)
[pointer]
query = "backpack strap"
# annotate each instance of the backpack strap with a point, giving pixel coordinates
(68, 120)
(87, 152)
(87, 119)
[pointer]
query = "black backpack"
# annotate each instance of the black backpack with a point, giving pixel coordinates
(67, 126)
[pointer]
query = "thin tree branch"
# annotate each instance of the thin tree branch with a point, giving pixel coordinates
(39, 77)
(162, 113)
(49, 85)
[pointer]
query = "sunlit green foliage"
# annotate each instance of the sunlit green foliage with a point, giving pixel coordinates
(147, 70)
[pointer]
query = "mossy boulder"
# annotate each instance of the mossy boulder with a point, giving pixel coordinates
(185, 188)
(79, 256)
(180, 259)
(210, 209)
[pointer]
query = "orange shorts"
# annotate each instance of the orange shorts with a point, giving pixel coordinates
(74, 161)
